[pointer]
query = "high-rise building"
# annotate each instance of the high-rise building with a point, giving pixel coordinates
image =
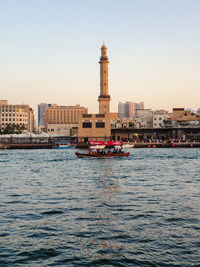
(41, 113)
(121, 110)
(16, 114)
(128, 109)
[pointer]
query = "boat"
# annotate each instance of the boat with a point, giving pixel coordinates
(61, 145)
(97, 150)
(127, 146)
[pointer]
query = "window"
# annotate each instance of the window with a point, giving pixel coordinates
(100, 124)
(87, 125)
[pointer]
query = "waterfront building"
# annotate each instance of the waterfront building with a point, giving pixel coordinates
(18, 114)
(128, 109)
(143, 118)
(41, 114)
(159, 118)
(98, 126)
(182, 117)
(174, 133)
(60, 119)
(180, 114)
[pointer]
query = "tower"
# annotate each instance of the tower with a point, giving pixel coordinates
(104, 98)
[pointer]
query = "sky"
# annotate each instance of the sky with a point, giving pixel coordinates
(49, 52)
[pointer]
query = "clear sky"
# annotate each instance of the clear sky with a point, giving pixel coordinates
(49, 51)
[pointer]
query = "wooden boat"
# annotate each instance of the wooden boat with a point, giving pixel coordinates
(97, 150)
(102, 155)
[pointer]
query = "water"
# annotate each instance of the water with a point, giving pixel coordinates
(56, 209)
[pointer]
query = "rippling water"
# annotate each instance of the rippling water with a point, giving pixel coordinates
(56, 209)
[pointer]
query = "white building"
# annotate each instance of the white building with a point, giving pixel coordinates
(159, 118)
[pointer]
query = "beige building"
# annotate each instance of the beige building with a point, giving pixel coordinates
(114, 116)
(180, 114)
(16, 114)
(98, 126)
(94, 127)
(59, 120)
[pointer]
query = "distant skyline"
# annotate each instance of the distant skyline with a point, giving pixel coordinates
(49, 52)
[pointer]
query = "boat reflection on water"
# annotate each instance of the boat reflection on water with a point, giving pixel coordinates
(104, 216)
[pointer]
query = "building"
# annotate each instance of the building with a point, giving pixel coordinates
(159, 118)
(143, 118)
(182, 117)
(16, 114)
(114, 116)
(59, 120)
(180, 114)
(41, 114)
(98, 126)
(180, 133)
(121, 110)
(128, 109)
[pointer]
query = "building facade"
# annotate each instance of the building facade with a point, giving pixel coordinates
(159, 118)
(16, 114)
(60, 119)
(143, 118)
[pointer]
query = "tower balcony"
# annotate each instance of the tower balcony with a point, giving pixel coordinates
(104, 96)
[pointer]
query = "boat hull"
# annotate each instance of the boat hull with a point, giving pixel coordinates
(99, 155)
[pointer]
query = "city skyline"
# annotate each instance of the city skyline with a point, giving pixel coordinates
(50, 51)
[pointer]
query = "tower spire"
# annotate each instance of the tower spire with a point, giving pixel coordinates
(104, 98)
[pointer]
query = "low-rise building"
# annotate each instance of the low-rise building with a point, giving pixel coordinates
(180, 114)
(159, 118)
(143, 118)
(94, 127)
(60, 119)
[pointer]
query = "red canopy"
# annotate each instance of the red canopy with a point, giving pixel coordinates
(108, 143)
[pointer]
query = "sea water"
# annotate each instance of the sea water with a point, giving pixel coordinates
(57, 209)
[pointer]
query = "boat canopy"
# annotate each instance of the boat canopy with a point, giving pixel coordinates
(108, 143)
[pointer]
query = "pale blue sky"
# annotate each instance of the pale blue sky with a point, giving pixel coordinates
(49, 51)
